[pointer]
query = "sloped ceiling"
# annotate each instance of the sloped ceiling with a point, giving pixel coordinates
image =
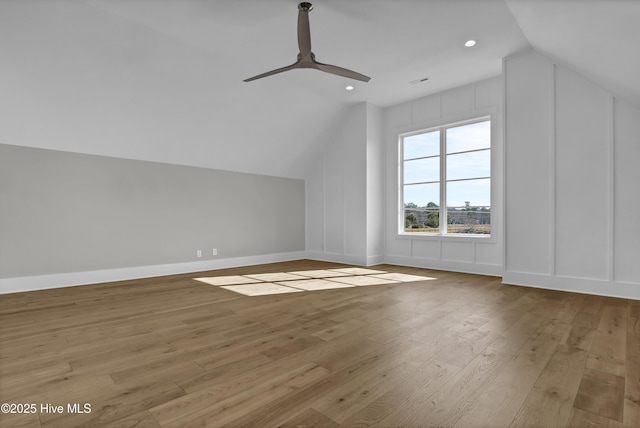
(161, 80)
(598, 38)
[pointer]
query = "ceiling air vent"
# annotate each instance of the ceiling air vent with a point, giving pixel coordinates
(415, 82)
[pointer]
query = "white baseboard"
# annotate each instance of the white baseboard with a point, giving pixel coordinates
(43, 282)
(475, 268)
(336, 258)
(625, 290)
(374, 260)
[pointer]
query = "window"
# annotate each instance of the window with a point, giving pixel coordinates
(445, 173)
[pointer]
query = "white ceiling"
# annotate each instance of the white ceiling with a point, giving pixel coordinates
(161, 80)
(600, 39)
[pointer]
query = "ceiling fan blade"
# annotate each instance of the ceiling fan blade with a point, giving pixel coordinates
(272, 72)
(304, 32)
(306, 58)
(334, 69)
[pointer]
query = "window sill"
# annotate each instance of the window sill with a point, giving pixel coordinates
(468, 237)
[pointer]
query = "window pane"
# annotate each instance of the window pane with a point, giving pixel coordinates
(469, 165)
(468, 209)
(422, 145)
(472, 220)
(421, 208)
(476, 192)
(469, 137)
(422, 170)
(421, 194)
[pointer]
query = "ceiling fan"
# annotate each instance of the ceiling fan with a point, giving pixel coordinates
(306, 58)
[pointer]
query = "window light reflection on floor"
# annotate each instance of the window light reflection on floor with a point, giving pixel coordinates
(309, 280)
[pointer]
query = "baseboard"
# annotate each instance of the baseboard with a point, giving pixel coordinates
(374, 260)
(474, 268)
(337, 258)
(345, 258)
(625, 290)
(619, 289)
(43, 282)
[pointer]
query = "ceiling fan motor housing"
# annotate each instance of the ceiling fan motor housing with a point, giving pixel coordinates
(305, 6)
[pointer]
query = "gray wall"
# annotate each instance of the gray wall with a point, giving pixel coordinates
(64, 212)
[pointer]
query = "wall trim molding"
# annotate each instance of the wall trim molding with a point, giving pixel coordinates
(346, 259)
(375, 260)
(452, 266)
(336, 258)
(61, 280)
(620, 289)
(598, 287)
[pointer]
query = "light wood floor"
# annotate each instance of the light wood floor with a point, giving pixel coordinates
(461, 350)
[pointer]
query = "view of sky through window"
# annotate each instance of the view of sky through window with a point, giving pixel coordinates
(464, 150)
(422, 165)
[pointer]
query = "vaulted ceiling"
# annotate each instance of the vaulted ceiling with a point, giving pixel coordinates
(161, 80)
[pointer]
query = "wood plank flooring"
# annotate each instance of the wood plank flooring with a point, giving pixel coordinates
(458, 351)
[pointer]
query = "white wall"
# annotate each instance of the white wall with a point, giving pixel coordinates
(344, 191)
(78, 76)
(68, 218)
(375, 186)
(457, 253)
(572, 152)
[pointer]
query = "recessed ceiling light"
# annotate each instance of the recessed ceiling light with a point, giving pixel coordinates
(349, 88)
(470, 43)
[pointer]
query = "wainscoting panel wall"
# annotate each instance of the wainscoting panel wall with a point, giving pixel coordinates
(571, 181)
(459, 253)
(345, 191)
(626, 205)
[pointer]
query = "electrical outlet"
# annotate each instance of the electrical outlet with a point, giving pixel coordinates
(199, 253)
(215, 251)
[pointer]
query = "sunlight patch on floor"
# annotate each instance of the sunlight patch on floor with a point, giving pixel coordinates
(308, 280)
(314, 284)
(357, 271)
(322, 273)
(227, 280)
(278, 276)
(261, 289)
(363, 280)
(402, 277)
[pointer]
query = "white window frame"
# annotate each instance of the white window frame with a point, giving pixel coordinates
(442, 208)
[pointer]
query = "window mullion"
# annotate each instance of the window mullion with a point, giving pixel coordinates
(443, 181)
